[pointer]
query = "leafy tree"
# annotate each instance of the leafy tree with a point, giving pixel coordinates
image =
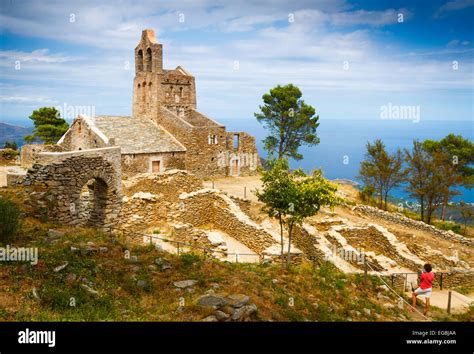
(425, 179)
(467, 213)
(381, 171)
(454, 156)
(49, 126)
(292, 196)
(10, 145)
(290, 120)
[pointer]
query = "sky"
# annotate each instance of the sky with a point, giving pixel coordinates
(349, 58)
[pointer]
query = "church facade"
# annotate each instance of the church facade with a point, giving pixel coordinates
(166, 131)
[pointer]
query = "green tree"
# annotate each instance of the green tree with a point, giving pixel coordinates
(381, 171)
(49, 126)
(454, 157)
(292, 196)
(290, 120)
(425, 179)
(466, 212)
(10, 145)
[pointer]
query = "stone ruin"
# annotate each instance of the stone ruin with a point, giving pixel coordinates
(80, 188)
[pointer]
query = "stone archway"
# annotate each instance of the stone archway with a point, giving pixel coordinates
(84, 187)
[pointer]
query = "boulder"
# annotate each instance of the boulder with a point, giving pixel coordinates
(182, 284)
(213, 301)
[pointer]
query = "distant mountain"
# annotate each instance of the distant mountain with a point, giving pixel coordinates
(14, 133)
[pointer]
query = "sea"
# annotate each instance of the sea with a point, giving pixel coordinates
(343, 144)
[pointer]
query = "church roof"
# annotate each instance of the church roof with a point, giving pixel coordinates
(137, 136)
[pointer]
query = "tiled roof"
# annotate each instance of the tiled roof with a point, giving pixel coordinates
(137, 136)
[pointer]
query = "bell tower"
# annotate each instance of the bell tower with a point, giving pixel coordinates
(148, 75)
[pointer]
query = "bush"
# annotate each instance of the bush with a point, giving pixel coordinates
(9, 154)
(449, 225)
(9, 219)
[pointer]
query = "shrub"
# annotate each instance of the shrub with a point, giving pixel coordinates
(449, 225)
(9, 219)
(9, 154)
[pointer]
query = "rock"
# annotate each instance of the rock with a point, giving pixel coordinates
(90, 250)
(142, 284)
(388, 306)
(90, 290)
(166, 266)
(367, 311)
(103, 249)
(55, 233)
(229, 310)
(238, 300)
(74, 249)
(382, 288)
(185, 283)
(274, 281)
(213, 301)
(61, 267)
(152, 267)
(211, 318)
(244, 311)
(221, 316)
(35, 293)
(382, 297)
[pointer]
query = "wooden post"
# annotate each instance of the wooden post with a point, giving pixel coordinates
(449, 301)
(177, 243)
(245, 192)
(365, 271)
(441, 282)
(212, 184)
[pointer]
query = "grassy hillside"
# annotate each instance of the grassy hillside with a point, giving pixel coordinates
(86, 275)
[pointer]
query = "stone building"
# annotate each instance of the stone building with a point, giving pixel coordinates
(165, 131)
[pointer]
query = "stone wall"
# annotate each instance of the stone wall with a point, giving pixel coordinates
(29, 152)
(65, 176)
(80, 136)
(152, 199)
(133, 164)
(209, 207)
(405, 221)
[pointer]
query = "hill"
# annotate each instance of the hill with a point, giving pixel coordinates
(13, 133)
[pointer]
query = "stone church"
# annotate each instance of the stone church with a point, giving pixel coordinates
(166, 131)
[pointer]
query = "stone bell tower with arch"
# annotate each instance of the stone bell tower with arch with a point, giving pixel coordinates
(154, 87)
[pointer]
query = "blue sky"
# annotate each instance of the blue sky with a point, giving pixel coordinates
(348, 57)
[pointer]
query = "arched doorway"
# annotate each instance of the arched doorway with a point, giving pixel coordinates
(91, 207)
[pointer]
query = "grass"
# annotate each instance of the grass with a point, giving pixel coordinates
(305, 292)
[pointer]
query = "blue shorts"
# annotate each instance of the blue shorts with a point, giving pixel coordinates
(424, 292)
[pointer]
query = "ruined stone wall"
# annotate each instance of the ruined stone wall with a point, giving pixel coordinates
(405, 221)
(140, 163)
(208, 207)
(64, 174)
(29, 152)
(169, 184)
(80, 137)
(245, 153)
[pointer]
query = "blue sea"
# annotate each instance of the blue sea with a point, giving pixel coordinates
(343, 143)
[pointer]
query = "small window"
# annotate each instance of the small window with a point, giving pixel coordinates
(180, 92)
(212, 139)
(236, 141)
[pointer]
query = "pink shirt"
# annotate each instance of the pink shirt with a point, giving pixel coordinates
(426, 280)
